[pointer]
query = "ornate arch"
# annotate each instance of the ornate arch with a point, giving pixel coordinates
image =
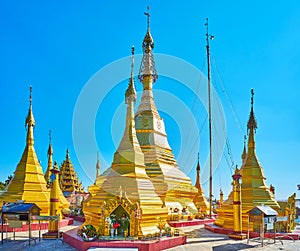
(132, 209)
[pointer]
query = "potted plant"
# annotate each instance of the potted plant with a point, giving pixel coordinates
(88, 232)
(161, 226)
(168, 231)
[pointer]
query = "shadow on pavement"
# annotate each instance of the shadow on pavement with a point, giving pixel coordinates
(191, 241)
(232, 247)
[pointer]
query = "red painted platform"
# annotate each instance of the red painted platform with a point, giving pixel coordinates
(189, 223)
(76, 241)
(35, 226)
(75, 217)
(283, 236)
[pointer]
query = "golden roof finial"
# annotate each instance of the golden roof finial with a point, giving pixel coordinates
(252, 124)
(130, 94)
(236, 175)
(198, 165)
(30, 122)
(148, 17)
(50, 154)
(67, 155)
(197, 185)
(98, 161)
(30, 119)
(50, 136)
(98, 165)
(148, 65)
(244, 154)
(132, 61)
(148, 43)
(55, 166)
(30, 96)
(236, 171)
(50, 150)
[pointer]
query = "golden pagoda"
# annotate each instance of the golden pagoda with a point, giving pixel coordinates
(28, 183)
(68, 179)
(200, 199)
(254, 191)
(63, 203)
(125, 189)
(171, 184)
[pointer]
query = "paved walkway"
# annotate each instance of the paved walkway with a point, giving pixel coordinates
(22, 243)
(199, 239)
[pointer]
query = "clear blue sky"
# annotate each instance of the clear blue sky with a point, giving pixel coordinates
(57, 46)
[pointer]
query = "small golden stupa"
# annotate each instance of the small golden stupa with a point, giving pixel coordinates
(200, 199)
(62, 199)
(254, 190)
(125, 189)
(68, 179)
(28, 183)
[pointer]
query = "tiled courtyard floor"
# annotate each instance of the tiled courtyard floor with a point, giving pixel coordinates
(199, 239)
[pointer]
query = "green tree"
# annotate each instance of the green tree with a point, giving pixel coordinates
(2, 186)
(9, 178)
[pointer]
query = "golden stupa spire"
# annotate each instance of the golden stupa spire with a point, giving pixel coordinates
(252, 125)
(129, 142)
(147, 68)
(98, 166)
(171, 184)
(244, 154)
(67, 155)
(50, 156)
(130, 97)
(197, 185)
(130, 94)
(199, 199)
(30, 121)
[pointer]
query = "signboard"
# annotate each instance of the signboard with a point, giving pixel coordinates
(256, 218)
(12, 216)
(15, 224)
(45, 217)
(282, 218)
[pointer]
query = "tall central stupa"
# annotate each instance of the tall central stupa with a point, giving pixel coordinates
(171, 184)
(144, 181)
